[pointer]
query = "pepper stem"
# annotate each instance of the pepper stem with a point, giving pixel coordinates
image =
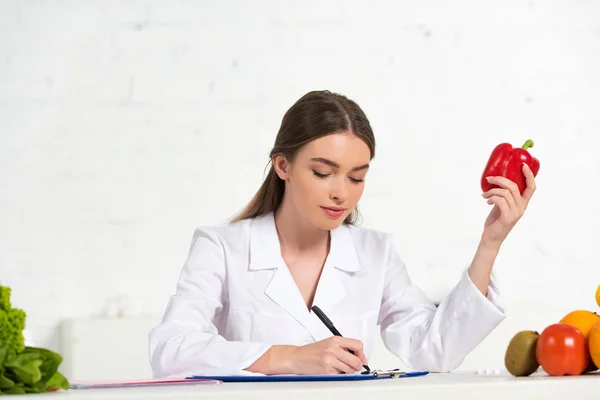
(528, 144)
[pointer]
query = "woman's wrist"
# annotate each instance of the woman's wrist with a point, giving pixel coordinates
(278, 359)
(483, 262)
(489, 247)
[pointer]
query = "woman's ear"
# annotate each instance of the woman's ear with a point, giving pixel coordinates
(282, 167)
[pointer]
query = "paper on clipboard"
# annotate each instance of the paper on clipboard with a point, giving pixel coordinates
(105, 384)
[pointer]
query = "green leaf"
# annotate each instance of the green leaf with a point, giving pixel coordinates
(3, 354)
(57, 381)
(26, 366)
(51, 361)
(29, 373)
(6, 382)
(19, 388)
(21, 358)
(32, 389)
(14, 390)
(10, 357)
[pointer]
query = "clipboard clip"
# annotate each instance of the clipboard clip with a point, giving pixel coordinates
(392, 373)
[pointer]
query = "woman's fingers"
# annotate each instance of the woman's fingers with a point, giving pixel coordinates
(504, 193)
(510, 186)
(352, 344)
(501, 203)
(349, 359)
(530, 179)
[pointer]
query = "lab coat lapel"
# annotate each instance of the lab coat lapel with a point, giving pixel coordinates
(331, 289)
(342, 260)
(265, 253)
(283, 290)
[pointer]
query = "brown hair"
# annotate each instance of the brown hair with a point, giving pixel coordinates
(316, 114)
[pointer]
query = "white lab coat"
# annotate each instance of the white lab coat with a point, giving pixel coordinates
(235, 298)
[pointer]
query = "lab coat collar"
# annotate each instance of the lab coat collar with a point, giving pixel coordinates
(265, 254)
(342, 252)
(265, 250)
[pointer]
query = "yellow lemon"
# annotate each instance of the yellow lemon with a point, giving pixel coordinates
(598, 296)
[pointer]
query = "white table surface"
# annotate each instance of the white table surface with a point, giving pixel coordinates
(433, 386)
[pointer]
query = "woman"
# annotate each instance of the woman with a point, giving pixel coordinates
(244, 297)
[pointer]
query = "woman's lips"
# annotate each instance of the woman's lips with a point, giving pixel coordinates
(334, 212)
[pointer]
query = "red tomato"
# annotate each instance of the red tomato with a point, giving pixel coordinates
(562, 350)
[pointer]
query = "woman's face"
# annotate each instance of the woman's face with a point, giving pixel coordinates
(325, 180)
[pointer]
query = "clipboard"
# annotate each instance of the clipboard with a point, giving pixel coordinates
(373, 375)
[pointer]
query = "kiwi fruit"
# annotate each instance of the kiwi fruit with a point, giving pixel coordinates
(520, 358)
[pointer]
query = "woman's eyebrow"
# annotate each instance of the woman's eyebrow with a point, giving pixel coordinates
(336, 165)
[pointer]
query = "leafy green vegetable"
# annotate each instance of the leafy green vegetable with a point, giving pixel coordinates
(12, 323)
(24, 369)
(5, 383)
(5, 298)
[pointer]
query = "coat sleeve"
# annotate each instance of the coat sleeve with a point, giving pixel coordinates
(428, 338)
(186, 341)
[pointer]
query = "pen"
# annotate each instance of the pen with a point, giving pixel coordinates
(330, 326)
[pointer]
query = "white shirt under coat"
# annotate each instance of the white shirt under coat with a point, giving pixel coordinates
(236, 297)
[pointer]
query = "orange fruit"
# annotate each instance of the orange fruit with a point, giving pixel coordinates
(594, 344)
(584, 320)
(598, 296)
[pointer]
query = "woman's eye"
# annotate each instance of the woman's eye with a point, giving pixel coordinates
(357, 180)
(320, 175)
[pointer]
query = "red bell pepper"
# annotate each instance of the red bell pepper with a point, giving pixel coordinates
(508, 162)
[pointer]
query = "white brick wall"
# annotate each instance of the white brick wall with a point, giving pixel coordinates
(123, 125)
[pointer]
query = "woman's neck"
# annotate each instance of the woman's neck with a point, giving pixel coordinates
(295, 233)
